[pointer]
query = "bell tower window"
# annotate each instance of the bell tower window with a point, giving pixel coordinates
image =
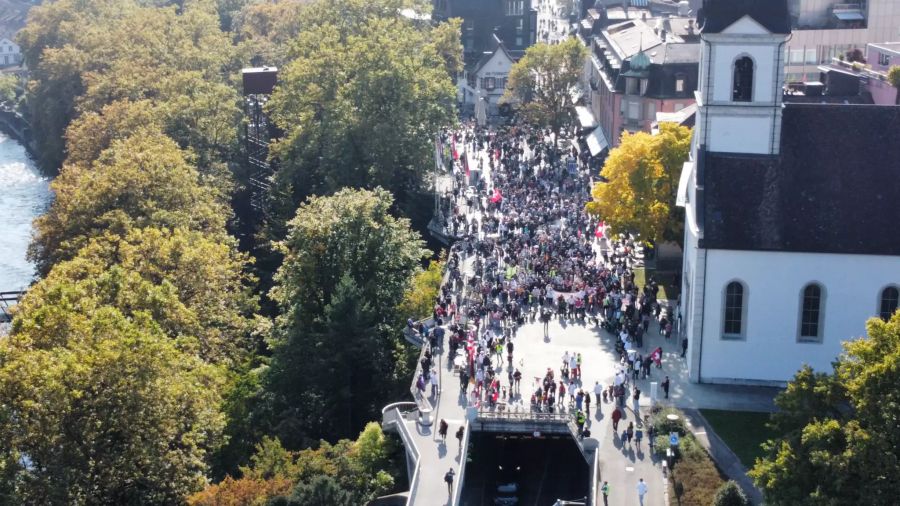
(743, 80)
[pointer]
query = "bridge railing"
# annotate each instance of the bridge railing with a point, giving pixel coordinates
(457, 494)
(393, 416)
(488, 414)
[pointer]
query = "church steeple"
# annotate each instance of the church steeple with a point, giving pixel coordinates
(741, 75)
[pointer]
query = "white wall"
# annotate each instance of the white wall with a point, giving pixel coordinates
(771, 352)
(740, 134)
(497, 67)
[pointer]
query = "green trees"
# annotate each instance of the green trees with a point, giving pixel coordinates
(8, 88)
(841, 437)
(360, 99)
(86, 55)
(642, 174)
(136, 369)
(542, 83)
(894, 79)
(194, 288)
(730, 494)
(347, 265)
(347, 472)
(112, 380)
(142, 181)
(113, 414)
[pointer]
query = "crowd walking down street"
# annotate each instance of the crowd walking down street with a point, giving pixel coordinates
(526, 255)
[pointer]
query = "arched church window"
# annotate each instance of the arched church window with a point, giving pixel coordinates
(743, 80)
(735, 310)
(888, 302)
(811, 313)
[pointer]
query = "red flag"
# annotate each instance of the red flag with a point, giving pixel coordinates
(454, 152)
(465, 161)
(497, 197)
(600, 227)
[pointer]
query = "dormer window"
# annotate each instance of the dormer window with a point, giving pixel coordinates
(743, 80)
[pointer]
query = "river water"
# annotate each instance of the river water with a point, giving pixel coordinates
(24, 195)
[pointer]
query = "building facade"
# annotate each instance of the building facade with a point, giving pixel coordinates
(785, 256)
(487, 79)
(513, 21)
(880, 58)
(10, 54)
(638, 68)
(826, 29)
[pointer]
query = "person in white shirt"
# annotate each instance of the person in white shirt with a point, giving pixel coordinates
(598, 393)
(641, 490)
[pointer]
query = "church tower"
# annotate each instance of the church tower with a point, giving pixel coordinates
(741, 75)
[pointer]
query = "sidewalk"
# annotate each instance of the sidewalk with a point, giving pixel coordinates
(622, 465)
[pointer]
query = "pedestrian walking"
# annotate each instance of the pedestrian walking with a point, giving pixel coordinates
(638, 435)
(616, 416)
(459, 435)
(641, 490)
(665, 386)
(636, 400)
(449, 479)
(629, 432)
(605, 491)
(587, 403)
(442, 430)
(684, 344)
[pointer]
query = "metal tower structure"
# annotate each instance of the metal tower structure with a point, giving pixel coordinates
(258, 86)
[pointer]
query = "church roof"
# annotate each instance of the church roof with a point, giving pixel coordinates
(835, 188)
(717, 15)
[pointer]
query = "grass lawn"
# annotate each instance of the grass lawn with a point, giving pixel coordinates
(743, 432)
(663, 278)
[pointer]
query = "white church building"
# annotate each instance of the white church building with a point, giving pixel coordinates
(792, 211)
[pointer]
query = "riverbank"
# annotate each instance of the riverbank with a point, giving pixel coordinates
(16, 126)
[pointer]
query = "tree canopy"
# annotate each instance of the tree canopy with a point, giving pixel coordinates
(642, 174)
(841, 441)
(347, 472)
(8, 88)
(114, 415)
(194, 287)
(348, 264)
(136, 369)
(144, 180)
(894, 79)
(543, 80)
(361, 98)
(85, 55)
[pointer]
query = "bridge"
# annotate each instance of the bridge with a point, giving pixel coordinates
(7, 301)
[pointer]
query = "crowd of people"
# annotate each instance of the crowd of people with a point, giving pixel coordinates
(527, 251)
(524, 250)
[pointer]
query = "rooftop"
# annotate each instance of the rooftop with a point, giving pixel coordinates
(717, 15)
(834, 189)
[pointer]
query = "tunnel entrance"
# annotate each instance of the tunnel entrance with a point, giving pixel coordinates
(521, 469)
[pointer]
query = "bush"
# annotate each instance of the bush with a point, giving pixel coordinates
(730, 494)
(665, 426)
(661, 444)
(700, 480)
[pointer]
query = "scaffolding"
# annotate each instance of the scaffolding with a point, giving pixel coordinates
(259, 130)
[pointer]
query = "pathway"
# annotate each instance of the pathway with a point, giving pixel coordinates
(621, 465)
